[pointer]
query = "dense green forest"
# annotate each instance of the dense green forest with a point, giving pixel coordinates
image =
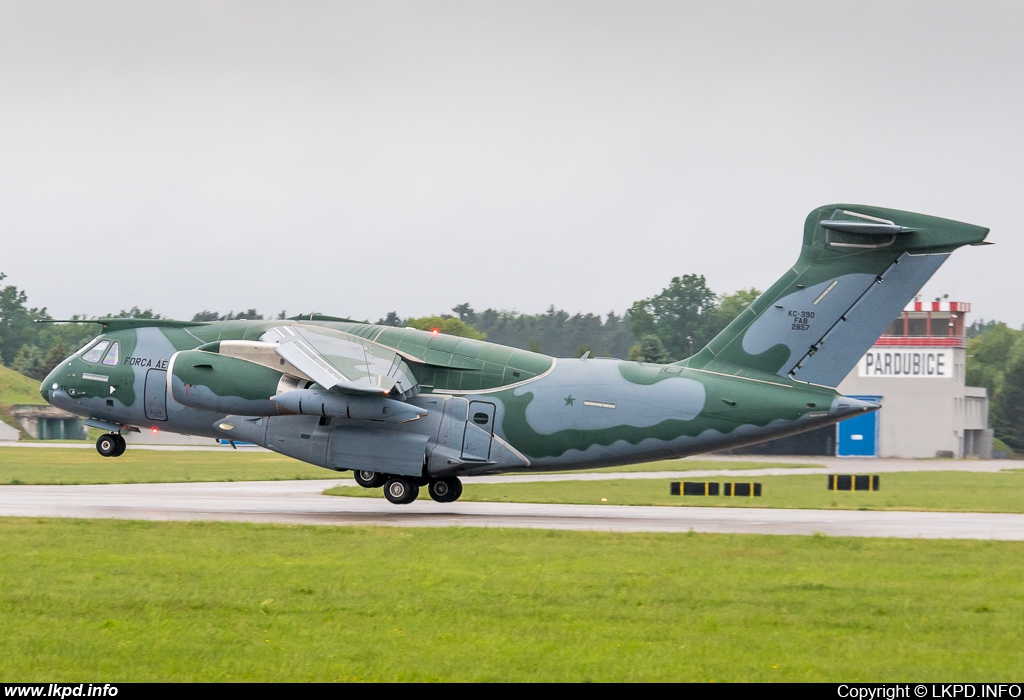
(995, 360)
(666, 327)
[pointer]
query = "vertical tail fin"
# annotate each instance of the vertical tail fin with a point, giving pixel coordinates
(858, 268)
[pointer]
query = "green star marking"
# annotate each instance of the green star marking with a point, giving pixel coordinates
(569, 400)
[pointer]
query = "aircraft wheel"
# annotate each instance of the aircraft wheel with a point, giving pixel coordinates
(122, 445)
(400, 490)
(107, 445)
(368, 479)
(445, 490)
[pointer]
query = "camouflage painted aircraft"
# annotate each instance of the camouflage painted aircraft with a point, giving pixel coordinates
(404, 408)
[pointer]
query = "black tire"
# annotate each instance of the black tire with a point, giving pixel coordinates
(400, 491)
(368, 479)
(122, 445)
(107, 444)
(445, 490)
(440, 490)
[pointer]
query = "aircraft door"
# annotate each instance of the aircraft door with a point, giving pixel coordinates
(156, 394)
(476, 441)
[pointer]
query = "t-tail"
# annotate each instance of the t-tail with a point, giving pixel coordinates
(858, 268)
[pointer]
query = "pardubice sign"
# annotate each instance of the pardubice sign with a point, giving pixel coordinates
(924, 363)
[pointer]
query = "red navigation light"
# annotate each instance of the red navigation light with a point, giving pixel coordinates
(154, 430)
(434, 331)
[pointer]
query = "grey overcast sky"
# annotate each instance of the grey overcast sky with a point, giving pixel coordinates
(354, 158)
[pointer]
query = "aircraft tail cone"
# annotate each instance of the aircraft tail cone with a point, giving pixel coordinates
(845, 406)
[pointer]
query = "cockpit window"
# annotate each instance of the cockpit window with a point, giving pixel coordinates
(82, 349)
(113, 354)
(96, 352)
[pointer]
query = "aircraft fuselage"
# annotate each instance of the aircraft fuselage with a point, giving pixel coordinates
(542, 412)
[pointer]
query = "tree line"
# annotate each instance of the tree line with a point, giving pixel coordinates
(995, 360)
(667, 327)
(663, 328)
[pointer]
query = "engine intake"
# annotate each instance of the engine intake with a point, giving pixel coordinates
(213, 382)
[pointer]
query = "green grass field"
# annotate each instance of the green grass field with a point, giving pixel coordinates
(16, 389)
(693, 464)
(1001, 492)
(40, 465)
(142, 601)
(32, 465)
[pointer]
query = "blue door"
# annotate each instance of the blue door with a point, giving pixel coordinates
(858, 436)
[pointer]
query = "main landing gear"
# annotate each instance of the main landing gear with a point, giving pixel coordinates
(401, 490)
(445, 490)
(111, 445)
(370, 480)
(405, 489)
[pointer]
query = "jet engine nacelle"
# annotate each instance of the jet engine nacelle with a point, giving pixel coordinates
(311, 402)
(224, 384)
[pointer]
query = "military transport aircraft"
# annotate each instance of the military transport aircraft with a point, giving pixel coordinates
(404, 408)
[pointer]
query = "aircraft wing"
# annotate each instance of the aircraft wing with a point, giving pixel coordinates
(342, 361)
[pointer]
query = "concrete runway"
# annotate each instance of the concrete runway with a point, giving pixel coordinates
(303, 502)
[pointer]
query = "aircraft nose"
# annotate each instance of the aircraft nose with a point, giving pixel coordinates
(52, 382)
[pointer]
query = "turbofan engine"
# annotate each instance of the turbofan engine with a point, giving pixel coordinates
(235, 386)
(224, 384)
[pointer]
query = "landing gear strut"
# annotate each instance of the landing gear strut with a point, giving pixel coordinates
(111, 445)
(445, 490)
(401, 490)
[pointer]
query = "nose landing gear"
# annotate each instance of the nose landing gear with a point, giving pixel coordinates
(111, 445)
